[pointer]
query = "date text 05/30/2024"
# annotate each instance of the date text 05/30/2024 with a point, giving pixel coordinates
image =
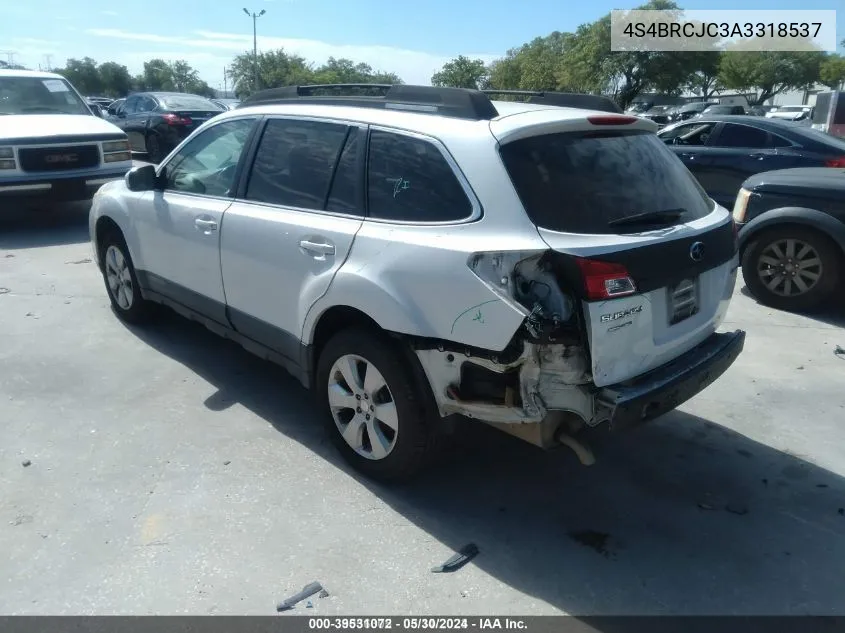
(416, 624)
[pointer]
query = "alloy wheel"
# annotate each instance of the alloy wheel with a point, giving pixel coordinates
(789, 267)
(119, 278)
(363, 407)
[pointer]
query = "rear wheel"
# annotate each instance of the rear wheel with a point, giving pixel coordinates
(154, 152)
(374, 411)
(792, 268)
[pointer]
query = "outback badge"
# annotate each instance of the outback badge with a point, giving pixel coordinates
(607, 318)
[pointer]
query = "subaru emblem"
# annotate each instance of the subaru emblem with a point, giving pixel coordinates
(696, 251)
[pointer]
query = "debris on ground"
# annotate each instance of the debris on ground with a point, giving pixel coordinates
(307, 591)
(9, 256)
(26, 463)
(309, 605)
(839, 352)
(464, 555)
(736, 509)
(4, 291)
(80, 261)
(227, 462)
(800, 367)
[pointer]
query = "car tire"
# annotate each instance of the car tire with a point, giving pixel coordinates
(816, 263)
(153, 146)
(121, 281)
(390, 445)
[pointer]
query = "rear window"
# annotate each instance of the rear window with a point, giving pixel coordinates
(188, 102)
(580, 182)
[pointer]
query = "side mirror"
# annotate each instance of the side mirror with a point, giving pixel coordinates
(142, 178)
(96, 110)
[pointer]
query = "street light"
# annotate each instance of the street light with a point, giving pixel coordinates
(255, 17)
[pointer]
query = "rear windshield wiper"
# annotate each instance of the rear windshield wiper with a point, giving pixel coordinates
(650, 217)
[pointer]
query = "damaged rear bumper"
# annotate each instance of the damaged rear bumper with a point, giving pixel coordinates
(665, 388)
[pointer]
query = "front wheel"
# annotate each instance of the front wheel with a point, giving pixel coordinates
(374, 411)
(121, 281)
(792, 268)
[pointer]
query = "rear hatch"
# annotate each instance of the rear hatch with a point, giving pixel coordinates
(635, 238)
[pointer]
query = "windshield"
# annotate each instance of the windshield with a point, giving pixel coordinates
(581, 182)
(37, 95)
(188, 102)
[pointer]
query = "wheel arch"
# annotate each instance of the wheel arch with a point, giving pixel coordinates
(803, 217)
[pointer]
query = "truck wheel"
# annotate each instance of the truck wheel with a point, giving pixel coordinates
(121, 281)
(792, 268)
(373, 409)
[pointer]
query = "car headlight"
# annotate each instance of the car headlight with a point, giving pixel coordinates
(741, 205)
(117, 157)
(116, 146)
(7, 152)
(7, 163)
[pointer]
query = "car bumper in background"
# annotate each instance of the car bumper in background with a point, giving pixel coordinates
(65, 189)
(666, 387)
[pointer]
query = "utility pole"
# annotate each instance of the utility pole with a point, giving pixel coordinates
(225, 85)
(255, 17)
(10, 55)
(48, 62)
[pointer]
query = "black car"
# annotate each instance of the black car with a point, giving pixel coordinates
(792, 236)
(114, 106)
(156, 122)
(658, 114)
(689, 110)
(716, 109)
(722, 151)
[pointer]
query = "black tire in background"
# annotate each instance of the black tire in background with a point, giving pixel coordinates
(155, 154)
(761, 264)
(415, 438)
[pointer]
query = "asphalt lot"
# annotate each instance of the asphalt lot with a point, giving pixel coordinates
(171, 472)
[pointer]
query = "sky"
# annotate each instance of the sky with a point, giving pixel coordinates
(413, 38)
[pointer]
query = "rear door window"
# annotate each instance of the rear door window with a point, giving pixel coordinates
(410, 180)
(734, 135)
(689, 134)
(294, 163)
(580, 182)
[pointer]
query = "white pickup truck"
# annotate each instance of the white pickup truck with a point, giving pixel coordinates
(53, 147)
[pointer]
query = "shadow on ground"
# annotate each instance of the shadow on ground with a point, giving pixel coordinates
(833, 314)
(55, 226)
(682, 516)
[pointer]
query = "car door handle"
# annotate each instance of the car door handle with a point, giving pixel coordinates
(758, 155)
(316, 247)
(207, 226)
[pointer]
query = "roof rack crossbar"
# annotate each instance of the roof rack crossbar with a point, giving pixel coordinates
(456, 102)
(562, 99)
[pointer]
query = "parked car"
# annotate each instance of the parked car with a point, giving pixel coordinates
(791, 113)
(495, 259)
(792, 236)
(112, 108)
(722, 151)
(716, 109)
(52, 146)
(658, 114)
(103, 102)
(227, 104)
(689, 110)
(829, 113)
(156, 122)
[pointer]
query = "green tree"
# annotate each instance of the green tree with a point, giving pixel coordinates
(275, 68)
(84, 75)
(157, 75)
(832, 71)
(769, 72)
(183, 76)
(461, 72)
(346, 71)
(115, 79)
(704, 76)
(505, 73)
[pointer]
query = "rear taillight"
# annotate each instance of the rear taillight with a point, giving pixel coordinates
(605, 280)
(611, 119)
(175, 119)
(835, 162)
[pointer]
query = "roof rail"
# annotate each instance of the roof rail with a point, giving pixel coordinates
(562, 99)
(461, 103)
